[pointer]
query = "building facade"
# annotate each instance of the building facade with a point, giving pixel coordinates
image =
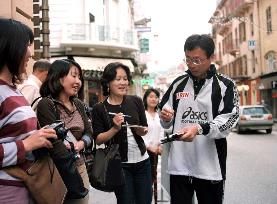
(93, 33)
(245, 33)
(21, 10)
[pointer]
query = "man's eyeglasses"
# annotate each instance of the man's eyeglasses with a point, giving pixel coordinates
(196, 61)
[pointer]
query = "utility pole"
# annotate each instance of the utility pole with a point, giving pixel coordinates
(41, 29)
(45, 30)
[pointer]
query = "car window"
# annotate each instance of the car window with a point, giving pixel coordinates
(254, 111)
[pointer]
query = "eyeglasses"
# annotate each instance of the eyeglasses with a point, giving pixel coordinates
(196, 61)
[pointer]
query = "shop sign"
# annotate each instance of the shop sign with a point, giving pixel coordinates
(251, 44)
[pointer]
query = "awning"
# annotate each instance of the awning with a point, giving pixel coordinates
(97, 64)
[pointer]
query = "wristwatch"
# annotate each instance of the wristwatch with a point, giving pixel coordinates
(199, 130)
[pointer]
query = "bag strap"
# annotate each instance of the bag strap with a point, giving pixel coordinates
(16, 172)
(55, 107)
(35, 100)
(107, 115)
(108, 121)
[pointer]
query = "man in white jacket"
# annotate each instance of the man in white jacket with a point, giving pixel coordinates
(30, 87)
(202, 106)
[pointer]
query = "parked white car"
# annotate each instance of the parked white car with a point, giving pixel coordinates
(254, 117)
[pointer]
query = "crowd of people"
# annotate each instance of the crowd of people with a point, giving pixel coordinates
(201, 106)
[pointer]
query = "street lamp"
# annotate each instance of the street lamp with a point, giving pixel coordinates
(243, 87)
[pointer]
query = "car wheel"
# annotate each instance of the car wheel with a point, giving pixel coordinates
(268, 131)
(238, 129)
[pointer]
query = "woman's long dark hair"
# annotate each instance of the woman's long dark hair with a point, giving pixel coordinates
(59, 69)
(147, 93)
(15, 37)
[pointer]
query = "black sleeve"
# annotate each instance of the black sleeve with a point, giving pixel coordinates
(46, 112)
(141, 111)
(97, 119)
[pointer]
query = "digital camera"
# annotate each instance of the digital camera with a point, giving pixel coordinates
(60, 129)
(61, 132)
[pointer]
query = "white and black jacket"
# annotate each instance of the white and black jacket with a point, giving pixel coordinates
(212, 103)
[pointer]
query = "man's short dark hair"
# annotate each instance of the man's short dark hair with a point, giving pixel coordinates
(41, 65)
(205, 42)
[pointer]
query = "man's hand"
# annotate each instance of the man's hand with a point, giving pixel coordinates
(166, 114)
(188, 133)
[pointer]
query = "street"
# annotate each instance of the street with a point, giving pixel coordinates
(251, 170)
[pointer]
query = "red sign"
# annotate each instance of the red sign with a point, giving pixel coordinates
(274, 95)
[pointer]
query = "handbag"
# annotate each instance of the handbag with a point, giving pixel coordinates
(42, 180)
(107, 173)
(88, 158)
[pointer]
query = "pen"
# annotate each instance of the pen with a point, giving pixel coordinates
(122, 114)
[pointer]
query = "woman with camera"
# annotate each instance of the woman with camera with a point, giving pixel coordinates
(18, 123)
(60, 91)
(121, 119)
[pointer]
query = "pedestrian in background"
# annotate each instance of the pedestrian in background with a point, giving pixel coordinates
(18, 122)
(155, 133)
(202, 106)
(120, 109)
(30, 87)
(60, 101)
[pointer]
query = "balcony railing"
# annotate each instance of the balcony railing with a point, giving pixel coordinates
(224, 26)
(239, 7)
(97, 34)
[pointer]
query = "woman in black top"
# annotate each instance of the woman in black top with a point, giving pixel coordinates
(109, 121)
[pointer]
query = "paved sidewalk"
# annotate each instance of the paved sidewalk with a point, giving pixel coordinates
(100, 197)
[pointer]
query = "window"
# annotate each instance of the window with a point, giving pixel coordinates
(242, 36)
(271, 61)
(251, 24)
(268, 20)
(244, 65)
(236, 38)
(253, 61)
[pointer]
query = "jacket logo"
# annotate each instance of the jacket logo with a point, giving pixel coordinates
(181, 95)
(194, 115)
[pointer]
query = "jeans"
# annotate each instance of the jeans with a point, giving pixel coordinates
(137, 188)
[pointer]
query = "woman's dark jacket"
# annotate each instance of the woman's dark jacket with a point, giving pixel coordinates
(131, 105)
(47, 114)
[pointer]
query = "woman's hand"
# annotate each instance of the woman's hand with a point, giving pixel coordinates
(79, 146)
(160, 150)
(118, 119)
(141, 131)
(39, 139)
(153, 149)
